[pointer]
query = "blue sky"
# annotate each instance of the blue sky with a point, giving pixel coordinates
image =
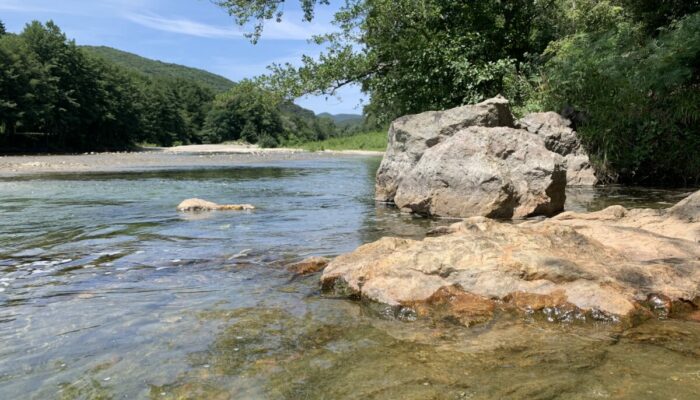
(195, 33)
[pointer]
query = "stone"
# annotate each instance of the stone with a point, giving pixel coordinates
(476, 160)
(615, 264)
(694, 316)
(194, 205)
(452, 303)
(309, 265)
(411, 135)
(644, 235)
(687, 209)
(493, 172)
(560, 138)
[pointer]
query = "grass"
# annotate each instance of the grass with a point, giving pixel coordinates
(374, 141)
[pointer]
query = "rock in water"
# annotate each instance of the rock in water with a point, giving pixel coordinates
(492, 172)
(411, 135)
(432, 161)
(193, 205)
(309, 265)
(561, 139)
(613, 264)
(688, 209)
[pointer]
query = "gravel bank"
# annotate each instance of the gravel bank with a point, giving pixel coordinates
(178, 157)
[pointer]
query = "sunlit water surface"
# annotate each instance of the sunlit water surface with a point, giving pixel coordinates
(107, 292)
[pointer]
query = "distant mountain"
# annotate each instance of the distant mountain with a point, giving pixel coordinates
(160, 69)
(344, 120)
(338, 118)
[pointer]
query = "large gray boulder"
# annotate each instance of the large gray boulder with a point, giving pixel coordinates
(410, 136)
(492, 172)
(476, 160)
(560, 138)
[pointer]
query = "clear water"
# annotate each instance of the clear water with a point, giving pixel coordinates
(106, 292)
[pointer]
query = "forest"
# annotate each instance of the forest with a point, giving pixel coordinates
(57, 96)
(626, 72)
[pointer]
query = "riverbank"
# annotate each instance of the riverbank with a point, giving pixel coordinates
(254, 149)
(219, 155)
(368, 141)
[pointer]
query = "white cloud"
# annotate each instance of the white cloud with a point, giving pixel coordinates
(284, 30)
(16, 6)
(183, 26)
(70, 7)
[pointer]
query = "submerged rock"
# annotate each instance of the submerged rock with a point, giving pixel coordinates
(476, 160)
(191, 205)
(607, 265)
(309, 265)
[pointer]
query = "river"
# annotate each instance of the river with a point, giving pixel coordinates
(106, 292)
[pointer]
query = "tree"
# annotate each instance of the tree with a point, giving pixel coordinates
(245, 109)
(415, 55)
(3, 30)
(163, 122)
(194, 102)
(69, 79)
(117, 107)
(262, 10)
(22, 81)
(74, 99)
(628, 68)
(639, 93)
(654, 14)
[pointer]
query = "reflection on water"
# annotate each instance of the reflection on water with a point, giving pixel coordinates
(107, 292)
(598, 198)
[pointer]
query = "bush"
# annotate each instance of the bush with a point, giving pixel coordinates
(267, 141)
(640, 97)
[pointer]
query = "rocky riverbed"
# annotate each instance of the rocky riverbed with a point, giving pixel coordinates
(107, 291)
(611, 265)
(195, 156)
(477, 161)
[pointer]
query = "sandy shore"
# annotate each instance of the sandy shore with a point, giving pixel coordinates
(252, 149)
(160, 158)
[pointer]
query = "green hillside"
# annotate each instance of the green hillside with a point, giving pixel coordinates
(160, 69)
(344, 119)
(114, 100)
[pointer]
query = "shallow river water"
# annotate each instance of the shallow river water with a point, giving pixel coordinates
(106, 292)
